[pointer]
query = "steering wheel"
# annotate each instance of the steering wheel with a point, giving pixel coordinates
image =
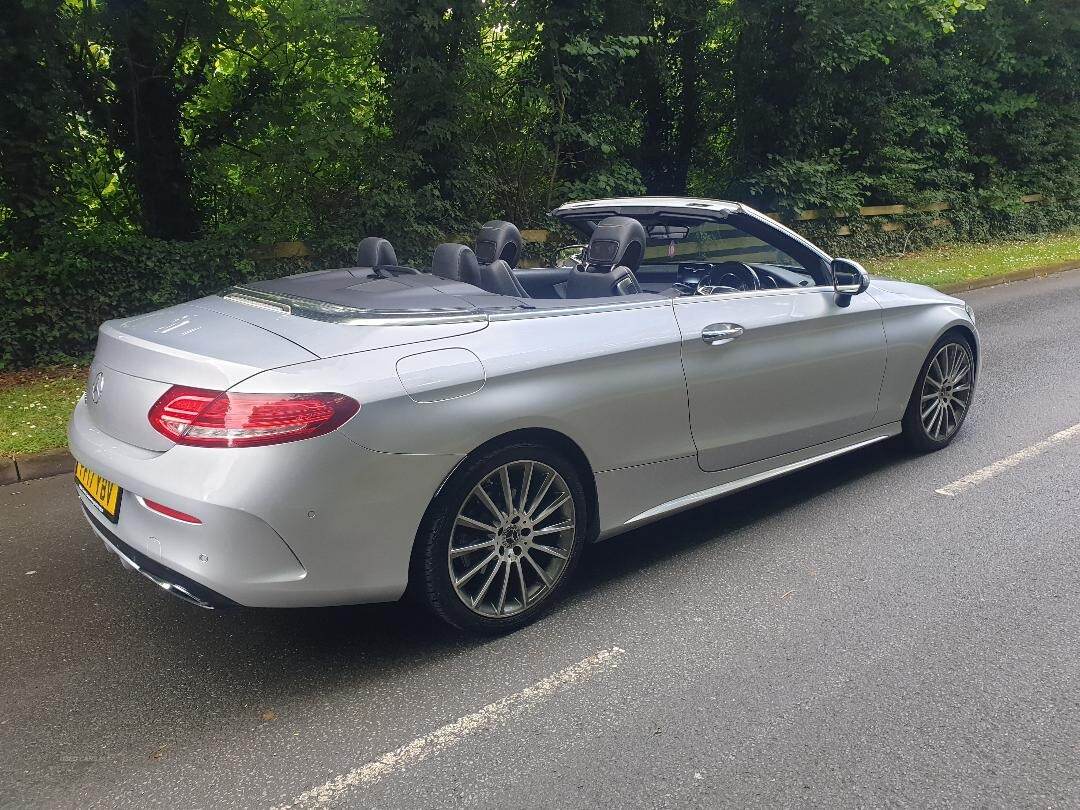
(738, 276)
(693, 273)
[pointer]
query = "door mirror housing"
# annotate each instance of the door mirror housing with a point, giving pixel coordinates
(849, 277)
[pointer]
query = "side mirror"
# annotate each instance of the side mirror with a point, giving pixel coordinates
(570, 256)
(849, 277)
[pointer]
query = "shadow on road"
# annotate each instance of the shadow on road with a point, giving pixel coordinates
(401, 632)
(717, 522)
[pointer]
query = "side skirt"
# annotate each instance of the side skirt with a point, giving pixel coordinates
(646, 477)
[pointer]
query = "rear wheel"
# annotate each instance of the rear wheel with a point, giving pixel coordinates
(942, 395)
(502, 539)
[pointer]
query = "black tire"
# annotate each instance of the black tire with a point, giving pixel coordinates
(915, 434)
(430, 579)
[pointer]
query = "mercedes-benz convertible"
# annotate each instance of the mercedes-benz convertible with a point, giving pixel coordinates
(465, 432)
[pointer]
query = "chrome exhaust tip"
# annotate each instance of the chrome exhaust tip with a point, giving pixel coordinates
(177, 590)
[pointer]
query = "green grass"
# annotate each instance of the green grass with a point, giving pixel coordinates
(35, 405)
(956, 263)
(34, 409)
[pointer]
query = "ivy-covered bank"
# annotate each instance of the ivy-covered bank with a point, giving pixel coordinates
(53, 298)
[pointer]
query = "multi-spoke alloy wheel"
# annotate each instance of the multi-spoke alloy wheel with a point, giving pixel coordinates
(502, 538)
(942, 395)
(511, 538)
(946, 391)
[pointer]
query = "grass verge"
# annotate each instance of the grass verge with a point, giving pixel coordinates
(959, 263)
(35, 406)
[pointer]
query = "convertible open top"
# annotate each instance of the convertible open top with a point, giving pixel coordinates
(645, 247)
(341, 295)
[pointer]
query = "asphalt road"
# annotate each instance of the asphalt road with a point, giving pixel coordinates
(841, 637)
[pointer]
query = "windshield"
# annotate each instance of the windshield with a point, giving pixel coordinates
(710, 242)
(678, 243)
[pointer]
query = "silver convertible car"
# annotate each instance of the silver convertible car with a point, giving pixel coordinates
(464, 433)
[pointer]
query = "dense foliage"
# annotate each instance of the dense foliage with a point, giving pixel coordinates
(152, 143)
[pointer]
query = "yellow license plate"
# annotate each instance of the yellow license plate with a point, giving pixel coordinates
(100, 490)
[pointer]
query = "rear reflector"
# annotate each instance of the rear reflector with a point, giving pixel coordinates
(168, 511)
(203, 418)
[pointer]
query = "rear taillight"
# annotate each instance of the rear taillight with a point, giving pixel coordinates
(196, 416)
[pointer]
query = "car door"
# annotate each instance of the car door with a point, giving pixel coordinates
(772, 371)
(802, 371)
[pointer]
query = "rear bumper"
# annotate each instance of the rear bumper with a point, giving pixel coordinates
(168, 580)
(309, 523)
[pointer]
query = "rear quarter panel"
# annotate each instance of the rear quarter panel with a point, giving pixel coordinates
(611, 381)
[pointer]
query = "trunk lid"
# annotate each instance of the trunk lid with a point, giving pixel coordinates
(139, 359)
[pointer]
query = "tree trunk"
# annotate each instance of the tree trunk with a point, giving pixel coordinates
(768, 81)
(671, 79)
(689, 136)
(422, 54)
(31, 132)
(656, 138)
(147, 124)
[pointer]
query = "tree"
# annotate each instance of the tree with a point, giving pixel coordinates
(161, 52)
(833, 103)
(673, 69)
(322, 119)
(34, 136)
(424, 50)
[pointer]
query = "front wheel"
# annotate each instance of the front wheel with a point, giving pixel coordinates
(942, 395)
(502, 539)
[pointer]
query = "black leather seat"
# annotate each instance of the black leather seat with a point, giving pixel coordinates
(499, 239)
(374, 251)
(457, 263)
(614, 253)
(498, 248)
(498, 278)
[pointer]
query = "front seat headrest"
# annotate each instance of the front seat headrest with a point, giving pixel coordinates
(457, 263)
(616, 242)
(374, 251)
(499, 240)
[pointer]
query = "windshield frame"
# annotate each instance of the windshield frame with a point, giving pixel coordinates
(583, 217)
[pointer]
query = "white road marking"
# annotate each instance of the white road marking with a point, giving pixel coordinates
(452, 733)
(977, 477)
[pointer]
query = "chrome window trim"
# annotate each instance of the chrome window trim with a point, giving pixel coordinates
(348, 316)
(581, 309)
(689, 299)
(512, 315)
(258, 303)
(358, 317)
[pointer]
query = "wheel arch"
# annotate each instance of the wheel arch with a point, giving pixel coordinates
(548, 437)
(556, 440)
(968, 333)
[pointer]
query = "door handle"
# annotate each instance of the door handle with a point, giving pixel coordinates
(717, 334)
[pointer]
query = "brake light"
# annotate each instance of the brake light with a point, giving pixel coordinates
(203, 418)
